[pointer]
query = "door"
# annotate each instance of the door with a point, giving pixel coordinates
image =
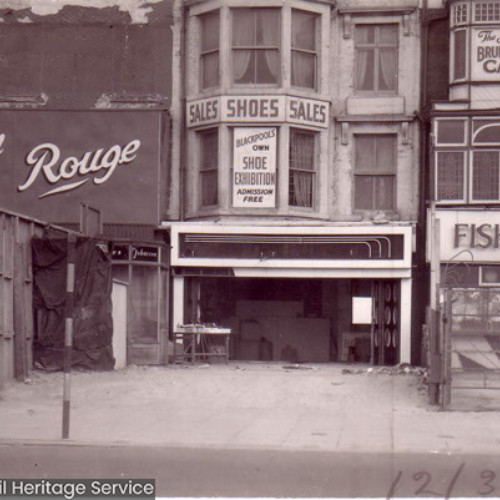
(385, 323)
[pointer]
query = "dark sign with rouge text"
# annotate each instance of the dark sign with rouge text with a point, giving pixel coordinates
(53, 161)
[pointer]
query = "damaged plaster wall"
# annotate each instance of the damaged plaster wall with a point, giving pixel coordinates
(138, 10)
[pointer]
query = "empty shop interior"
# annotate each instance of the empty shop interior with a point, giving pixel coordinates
(301, 320)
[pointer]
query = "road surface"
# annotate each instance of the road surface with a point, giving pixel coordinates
(195, 472)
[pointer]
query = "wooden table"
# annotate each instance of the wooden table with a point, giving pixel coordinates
(200, 340)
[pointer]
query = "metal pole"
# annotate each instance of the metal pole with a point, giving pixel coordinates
(68, 333)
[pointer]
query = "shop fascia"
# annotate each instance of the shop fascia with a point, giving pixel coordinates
(283, 108)
(472, 233)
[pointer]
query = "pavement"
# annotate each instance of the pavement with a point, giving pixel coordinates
(325, 407)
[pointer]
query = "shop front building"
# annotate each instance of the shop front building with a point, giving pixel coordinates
(98, 173)
(299, 177)
(463, 218)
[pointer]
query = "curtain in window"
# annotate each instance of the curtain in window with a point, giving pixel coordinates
(243, 36)
(269, 21)
(362, 76)
(388, 70)
(301, 175)
(301, 189)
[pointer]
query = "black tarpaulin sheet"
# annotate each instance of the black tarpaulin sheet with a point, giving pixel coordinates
(92, 312)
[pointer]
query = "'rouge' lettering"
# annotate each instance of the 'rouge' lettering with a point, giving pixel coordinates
(44, 159)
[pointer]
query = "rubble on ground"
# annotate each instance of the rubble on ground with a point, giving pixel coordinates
(401, 369)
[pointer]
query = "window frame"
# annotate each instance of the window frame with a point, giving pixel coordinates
(453, 59)
(376, 47)
(298, 50)
(256, 48)
(208, 52)
(357, 172)
(203, 169)
(312, 172)
(482, 201)
(477, 5)
(449, 119)
(461, 14)
(464, 176)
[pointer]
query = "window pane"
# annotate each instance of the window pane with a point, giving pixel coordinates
(258, 30)
(209, 188)
(376, 58)
(450, 131)
(143, 313)
(450, 176)
(388, 70)
(388, 34)
(303, 69)
(208, 167)
(209, 32)
(268, 30)
(374, 192)
(384, 192)
(365, 153)
(365, 70)
(209, 149)
(302, 167)
(485, 175)
(365, 34)
(301, 150)
(303, 30)
(300, 189)
(489, 134)
(375, 161)
(460, 53)
(210, 70)
(243, 28)
(267, 66)
(363, 192)
(385, 153)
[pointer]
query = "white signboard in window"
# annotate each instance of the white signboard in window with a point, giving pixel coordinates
(254, 167)
(485, 55)
(361, 310)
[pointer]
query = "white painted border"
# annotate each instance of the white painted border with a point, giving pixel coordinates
(389, 268)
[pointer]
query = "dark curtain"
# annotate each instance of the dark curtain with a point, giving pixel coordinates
(92, 312)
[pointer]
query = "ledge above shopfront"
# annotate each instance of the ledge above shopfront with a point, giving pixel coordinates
(313, 249)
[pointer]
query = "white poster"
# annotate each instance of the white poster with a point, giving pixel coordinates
(254, 167)
(485, 54)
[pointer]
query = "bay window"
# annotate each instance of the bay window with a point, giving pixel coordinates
(376, 58)
(209, 159)
(302, 168)
(256, 46)
(375, 172)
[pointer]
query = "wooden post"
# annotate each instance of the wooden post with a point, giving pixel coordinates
(68, 332)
